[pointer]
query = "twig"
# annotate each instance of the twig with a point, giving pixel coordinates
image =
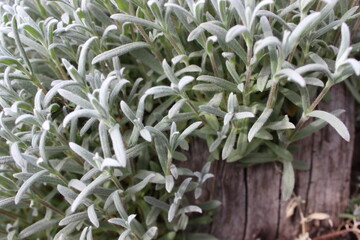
(147, 39)
(333, 234)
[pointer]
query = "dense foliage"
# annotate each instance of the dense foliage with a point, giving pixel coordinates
(99, 100)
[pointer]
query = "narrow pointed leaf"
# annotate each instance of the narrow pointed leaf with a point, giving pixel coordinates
(75, 99)
(83, 153)
(138, 187)
(229, 144)
(92, 215)
(27, 184)
(73, 218)
(135, 20)
(83, 54)
(293, 76)
(335, 122)
(88, 190)
(118, 145)
(88, 113)
(189, 130)
(123, 49)
(259, 123)
(39, 226)
(150, 233)
(235, 31)
(288, 180)
(176, 108)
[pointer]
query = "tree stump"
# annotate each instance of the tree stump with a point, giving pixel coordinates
(251, 198)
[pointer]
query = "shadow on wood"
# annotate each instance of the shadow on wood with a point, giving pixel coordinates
(251, 203)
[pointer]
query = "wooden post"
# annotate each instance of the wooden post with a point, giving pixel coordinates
(251, 199)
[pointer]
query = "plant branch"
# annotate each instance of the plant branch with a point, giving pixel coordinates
(303, 119)
(147, 39)
(42, 202)
(334, 234)
(248, 75)
(213, 64)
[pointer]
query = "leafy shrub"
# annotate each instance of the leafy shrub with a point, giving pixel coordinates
(99, 100)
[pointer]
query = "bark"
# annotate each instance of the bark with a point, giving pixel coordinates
(251, 198)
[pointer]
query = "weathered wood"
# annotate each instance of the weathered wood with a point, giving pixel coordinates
(326, 186)
(252, 207)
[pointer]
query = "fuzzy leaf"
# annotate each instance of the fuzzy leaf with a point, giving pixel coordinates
(83, 53)
(304, 27)
(188, 131)
(266, 42)
(88, 190)
(73, 218)
(123, 49)
(229, 144)
(118, 145)
(80, 113)
(135, 20)
(27, 184)
(75, 99)
(335, 122)
(288, 180)
(259, 123)
(169, 72)
(39, 226)
(293, 76)
(235, 31)
(226, 85)
(176, 108)
(92, 215)
(150, 233)
(138, 187)
(242, 115)
(83, 153)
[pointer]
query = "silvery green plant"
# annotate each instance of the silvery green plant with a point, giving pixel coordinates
(100, 100)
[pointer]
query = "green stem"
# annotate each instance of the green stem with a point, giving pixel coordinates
(168, 164)
(213, 64)
(270, 101)
(248, 75)
(322, 94)
(60, 69)
(66, 143)
(336, 234)
(173, 43)
(116, 182)
(8, 214)
(147, 39)
(58, 174)
(193, 107)
(312, 107)
(48, 205)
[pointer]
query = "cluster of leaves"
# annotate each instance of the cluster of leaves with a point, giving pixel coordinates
(99, 98)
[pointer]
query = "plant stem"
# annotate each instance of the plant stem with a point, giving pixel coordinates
(58, 174)
(270, 101)
(213, 64)
(60, 69)
(302, 220)
(168, 164)
(248, 75)
(195, 110)
(303, 119)
(333, 234)
(116, 182)
(42, 202)
(173, 43)
(8, 214)
(322, 94)
(147, 39)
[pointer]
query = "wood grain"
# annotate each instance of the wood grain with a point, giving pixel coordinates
(251, 204)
